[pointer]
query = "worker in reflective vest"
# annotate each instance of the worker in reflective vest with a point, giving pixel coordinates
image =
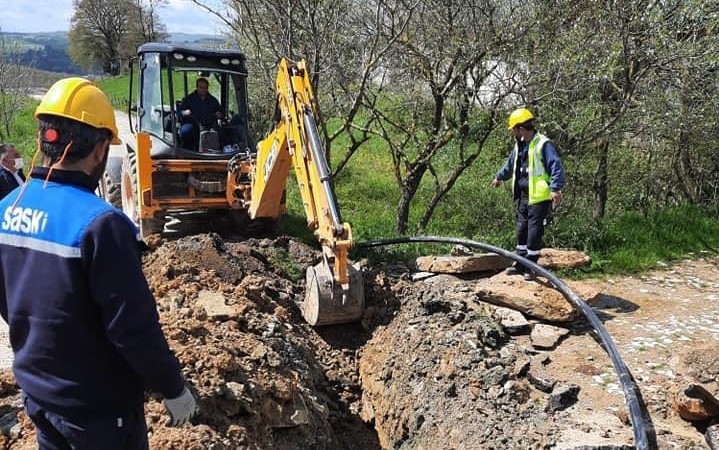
(537, 178)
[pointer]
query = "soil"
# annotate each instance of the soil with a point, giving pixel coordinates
(427, 368)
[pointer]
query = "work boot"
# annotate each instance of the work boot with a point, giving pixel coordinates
(514, 270)
(528, 274)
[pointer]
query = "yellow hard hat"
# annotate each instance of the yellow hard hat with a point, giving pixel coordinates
(519, 116)
(79, 99)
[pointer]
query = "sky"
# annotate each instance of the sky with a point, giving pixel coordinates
(32, 16)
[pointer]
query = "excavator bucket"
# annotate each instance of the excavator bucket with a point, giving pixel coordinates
(327, 302)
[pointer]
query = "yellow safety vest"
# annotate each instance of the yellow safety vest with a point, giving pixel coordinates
(538, 177)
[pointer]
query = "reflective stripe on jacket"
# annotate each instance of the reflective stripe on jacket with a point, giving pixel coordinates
(537, 175)
(83, 322)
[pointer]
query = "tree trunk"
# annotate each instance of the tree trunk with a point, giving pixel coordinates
(409, 189)
(600, 179)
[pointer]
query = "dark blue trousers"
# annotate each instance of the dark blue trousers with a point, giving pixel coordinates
(530, 226)
(54, 432)
(188, 136)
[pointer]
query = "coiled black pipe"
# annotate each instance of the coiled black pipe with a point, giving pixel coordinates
(631, 397)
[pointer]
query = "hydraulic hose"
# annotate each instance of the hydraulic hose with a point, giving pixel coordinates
(630, 389)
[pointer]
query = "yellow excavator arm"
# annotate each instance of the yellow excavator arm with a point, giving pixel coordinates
(335, 289)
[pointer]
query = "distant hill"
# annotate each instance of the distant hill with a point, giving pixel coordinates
(44, 51)
(48, 51)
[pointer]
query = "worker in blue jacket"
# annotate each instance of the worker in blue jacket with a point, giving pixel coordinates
(83, 323)
(537, 179)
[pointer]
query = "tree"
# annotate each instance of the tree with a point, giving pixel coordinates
(598, 74)
(15, 85)
(437, 55)
(149, 27)
(106, 33)
(337, 38)
(683, 99)
(451, 87)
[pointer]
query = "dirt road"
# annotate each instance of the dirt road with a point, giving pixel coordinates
(666, 325)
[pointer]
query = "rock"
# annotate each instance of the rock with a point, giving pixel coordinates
(540, 380)
(287, 414)
(556, 258)
(461, 250)
(712, 436)
(462, 264)
(511, 320)
(215, 306)
(538, 375)
(7, 422)
(565, 397)
(495, 376)
(546, 336)
(16, 431)
(533, 299)
(234, 390)
(691, 409)
(694, 403)
(419, 276)
(521, 367)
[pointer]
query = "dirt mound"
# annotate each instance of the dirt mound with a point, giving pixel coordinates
(444, 371)
(228, 311)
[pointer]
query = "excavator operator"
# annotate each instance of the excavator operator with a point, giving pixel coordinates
(198, 110)
(84, 327)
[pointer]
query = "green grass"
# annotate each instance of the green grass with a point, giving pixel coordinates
(636, 242)
(117, 90)
(633, 242)
(23, 132)
(284, 262)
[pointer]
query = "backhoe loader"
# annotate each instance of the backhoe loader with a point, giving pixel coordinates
(225, 171)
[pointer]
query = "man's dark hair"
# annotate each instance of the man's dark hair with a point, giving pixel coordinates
(4, 148)
(83, 137)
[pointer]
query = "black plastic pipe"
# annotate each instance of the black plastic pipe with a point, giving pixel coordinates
(631, 391)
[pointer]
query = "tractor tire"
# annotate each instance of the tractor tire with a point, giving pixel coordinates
(111, 191)
(109, 186)
(130, 199)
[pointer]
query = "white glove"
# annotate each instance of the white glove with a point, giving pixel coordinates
(180, 409)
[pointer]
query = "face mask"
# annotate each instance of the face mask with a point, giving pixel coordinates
(18, 163)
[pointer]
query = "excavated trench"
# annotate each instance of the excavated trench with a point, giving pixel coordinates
(429, 367)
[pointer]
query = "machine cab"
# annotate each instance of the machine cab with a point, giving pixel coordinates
(166, 75)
